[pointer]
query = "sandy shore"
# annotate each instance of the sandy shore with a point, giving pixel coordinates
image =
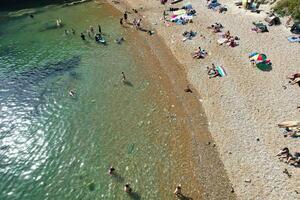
(243, 108)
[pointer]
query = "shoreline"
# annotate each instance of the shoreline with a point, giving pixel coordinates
(214, 183)
(236, 116)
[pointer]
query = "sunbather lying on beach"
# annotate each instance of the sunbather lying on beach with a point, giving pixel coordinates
(296, 80)
(291, 132)
(294, 76)
(212, 72)
(200, 53)
(284, 154)
(216, 27)
(232, 42)
(189, 35)
(294, 159)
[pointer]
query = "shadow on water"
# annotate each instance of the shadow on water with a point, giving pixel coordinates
(127, 83)
(49, 70)
(183, 197)
(118, 178)
(135, 196)
(26, 86)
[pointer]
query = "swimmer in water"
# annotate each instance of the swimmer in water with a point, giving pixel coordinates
(119, 40)
(72, 93)
(127, 188)
(73, 31)
(111, 171)
(58, 22)
(82, 36)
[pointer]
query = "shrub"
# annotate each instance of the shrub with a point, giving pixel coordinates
(288, 7)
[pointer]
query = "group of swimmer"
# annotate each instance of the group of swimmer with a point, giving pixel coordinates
(91, 33)
(72, 92)
(127, 188)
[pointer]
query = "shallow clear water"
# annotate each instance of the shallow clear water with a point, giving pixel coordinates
(53, 146)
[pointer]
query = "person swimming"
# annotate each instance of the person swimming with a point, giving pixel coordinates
(72, 93)
(119, 40)
(82, 36)
(73, 31)
(111, 171)
(58, 22)
(127, 188)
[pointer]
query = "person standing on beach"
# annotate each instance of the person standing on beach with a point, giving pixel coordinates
(82, 36)
(177, 191)
(89, 33)
(121, 21)
(92, 29)
(123, 77)
(164, 15)
(134, 22)
(138, 24)
(125, 16)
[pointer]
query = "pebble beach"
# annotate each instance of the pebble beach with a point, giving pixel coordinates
(243, 108)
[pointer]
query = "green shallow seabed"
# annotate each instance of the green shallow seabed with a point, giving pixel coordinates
(53, 146)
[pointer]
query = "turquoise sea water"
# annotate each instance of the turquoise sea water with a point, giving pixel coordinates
(53, 146)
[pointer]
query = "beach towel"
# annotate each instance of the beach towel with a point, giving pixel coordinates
(181, 17)
(213, 5)
(179, 12)
(222, 40)
(293, 39)
(221, 71)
